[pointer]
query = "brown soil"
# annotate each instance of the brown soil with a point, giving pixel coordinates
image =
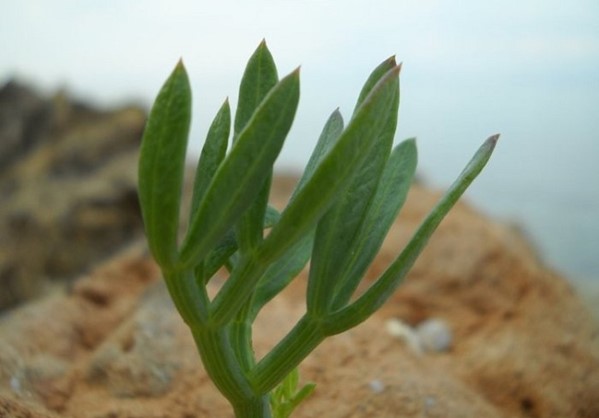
(523, 344)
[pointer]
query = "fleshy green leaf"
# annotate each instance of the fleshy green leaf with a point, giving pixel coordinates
(221, 254)
(259, 78)
(271, 217)
(213, 153)
(242, 282)
(374, 78)
(280, 273)
(162, 164)
(335, 173)
(286, 397)
(249, 228)
(390, 196)
(241, 175)
(384, 287)
(289, 265)
(336, 230)
(329, 135)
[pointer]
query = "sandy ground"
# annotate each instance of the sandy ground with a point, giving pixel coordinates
(522, 344)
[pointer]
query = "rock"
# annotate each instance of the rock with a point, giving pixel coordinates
(141, 356)
(434, 335)
(68, 187)
(24, 117)
(524, 345)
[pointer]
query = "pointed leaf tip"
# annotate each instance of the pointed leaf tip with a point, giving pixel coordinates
(263, 46)
(489, 144)
(412, 140)
(493, 139)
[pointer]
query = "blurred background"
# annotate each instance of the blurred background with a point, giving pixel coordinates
(529, 70)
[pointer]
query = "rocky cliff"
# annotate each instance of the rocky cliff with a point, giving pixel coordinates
(67, 183)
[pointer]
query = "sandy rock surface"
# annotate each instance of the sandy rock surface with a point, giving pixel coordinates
(521, 344)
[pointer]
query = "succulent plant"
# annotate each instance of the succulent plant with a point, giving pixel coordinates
(349, 195)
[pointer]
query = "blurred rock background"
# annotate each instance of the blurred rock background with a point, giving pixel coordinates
(67, 188)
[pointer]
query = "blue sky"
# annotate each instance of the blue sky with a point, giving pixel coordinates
(527, 69)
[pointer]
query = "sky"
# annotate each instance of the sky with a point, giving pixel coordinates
(526, 69)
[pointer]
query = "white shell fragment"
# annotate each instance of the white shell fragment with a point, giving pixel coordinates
(396, 328)
(434, 335)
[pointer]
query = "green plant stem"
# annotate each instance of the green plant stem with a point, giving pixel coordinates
(240, 334)
(258, 407)
(225, 371)
(236, 291)
(189, 296)
(305, 336)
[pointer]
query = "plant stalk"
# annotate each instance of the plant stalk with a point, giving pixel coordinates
(258, 407)
(223, 367)
(227, 373)
(305, 336)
